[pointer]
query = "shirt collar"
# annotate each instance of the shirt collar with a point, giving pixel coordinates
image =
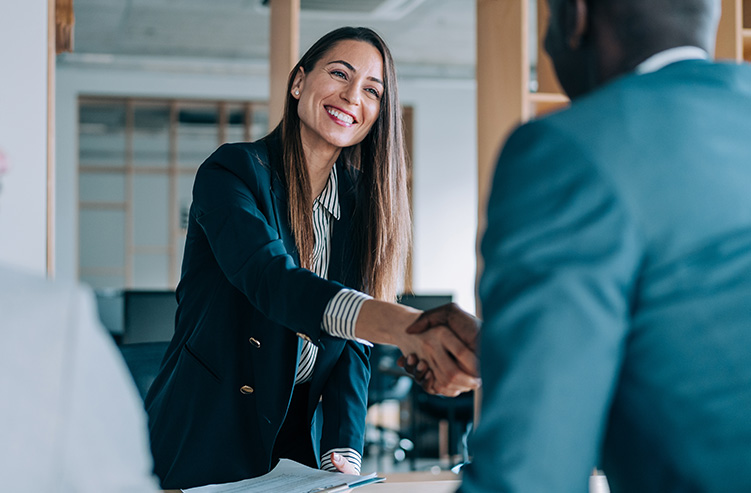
(329, 197)
(672, 55)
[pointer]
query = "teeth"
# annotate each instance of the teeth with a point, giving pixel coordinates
(341, 116)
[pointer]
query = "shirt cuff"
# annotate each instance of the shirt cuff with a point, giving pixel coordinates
(340, 316)
(352, 456)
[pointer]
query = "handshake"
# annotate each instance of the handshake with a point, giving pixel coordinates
(450, 338)
(439, 346)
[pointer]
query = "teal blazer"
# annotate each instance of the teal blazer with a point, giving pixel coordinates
(244, 308)
(616, 295)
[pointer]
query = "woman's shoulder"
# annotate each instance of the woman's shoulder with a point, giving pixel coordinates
(241, 154)
(241, 164)
(247, 160)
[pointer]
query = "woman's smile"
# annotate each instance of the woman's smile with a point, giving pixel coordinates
(340, 117)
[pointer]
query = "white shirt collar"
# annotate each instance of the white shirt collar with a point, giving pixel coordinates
(672, 55)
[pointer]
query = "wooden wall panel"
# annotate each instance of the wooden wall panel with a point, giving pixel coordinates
(730, 32)
(284, 53)
(502, 82)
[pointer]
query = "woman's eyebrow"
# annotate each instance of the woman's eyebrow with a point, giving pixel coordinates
(353, 69)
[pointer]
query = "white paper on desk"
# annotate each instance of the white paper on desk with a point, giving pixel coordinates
(288, 477)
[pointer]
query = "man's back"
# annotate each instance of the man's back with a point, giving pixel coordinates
(618, 270)
(70, 418)
(682, 409)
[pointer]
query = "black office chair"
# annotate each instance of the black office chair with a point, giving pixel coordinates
(143, 360)
(148, 316)
(387, 382)
(457, 412)
(427, 408)
(109, 302)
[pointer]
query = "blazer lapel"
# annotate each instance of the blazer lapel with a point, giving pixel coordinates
(342, 266)
(281, 212)
(279, 199)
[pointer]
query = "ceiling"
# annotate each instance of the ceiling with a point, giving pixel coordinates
(433, 37)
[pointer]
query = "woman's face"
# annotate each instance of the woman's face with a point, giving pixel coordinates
(340, 98)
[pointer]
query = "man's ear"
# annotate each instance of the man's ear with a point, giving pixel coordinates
(577, 22)
(297, 83)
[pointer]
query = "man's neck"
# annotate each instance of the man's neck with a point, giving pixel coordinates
(671, 55)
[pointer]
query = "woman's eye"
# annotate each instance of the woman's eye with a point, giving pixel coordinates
(373, 92)
(339, 73)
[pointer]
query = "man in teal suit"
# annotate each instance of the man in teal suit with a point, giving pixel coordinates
(616, 295)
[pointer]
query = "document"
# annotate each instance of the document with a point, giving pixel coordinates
(291, 477)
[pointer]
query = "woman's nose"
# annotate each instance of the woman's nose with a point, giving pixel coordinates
(351, 94)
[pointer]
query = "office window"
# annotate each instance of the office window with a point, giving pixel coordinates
(137, 161)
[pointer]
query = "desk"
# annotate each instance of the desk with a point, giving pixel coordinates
(414, 482)
(409, 482)
(448, 486)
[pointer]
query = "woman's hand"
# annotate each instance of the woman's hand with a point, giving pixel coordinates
(342, 464)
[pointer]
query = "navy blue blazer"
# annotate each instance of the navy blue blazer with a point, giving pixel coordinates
(617, 291)
(244, 308)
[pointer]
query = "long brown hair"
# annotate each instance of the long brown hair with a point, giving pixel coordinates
(382, 219)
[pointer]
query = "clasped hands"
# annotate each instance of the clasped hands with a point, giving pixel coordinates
(439, 345)
(447, 364)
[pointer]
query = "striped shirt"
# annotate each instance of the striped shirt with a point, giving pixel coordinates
(340, 315)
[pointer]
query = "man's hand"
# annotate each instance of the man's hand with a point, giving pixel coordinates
(465, 326)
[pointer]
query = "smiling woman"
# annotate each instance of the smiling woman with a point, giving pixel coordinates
(349, 75)
(288, 238)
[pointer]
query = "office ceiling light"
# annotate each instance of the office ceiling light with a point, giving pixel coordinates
(370, 9)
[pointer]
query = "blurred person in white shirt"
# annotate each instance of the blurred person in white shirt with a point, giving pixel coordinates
(71, 419)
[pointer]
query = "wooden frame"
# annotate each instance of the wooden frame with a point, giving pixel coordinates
(64, 23)
(504, 99)
(51, 53)
(171, 170)
(284, 42)
(730, 32)
(408, 116)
